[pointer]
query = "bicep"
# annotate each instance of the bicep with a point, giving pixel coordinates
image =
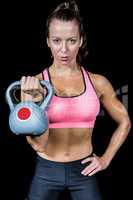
(111, 103)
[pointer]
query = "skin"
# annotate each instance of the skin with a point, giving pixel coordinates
(66, 144)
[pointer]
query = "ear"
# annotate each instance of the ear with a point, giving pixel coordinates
(48, 42)
(81, 41)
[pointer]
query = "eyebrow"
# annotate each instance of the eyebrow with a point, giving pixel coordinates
(72, 37)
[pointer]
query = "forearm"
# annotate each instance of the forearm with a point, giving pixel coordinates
(38, 143)
(116, 141)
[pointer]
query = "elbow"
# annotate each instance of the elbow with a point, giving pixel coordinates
(127, 123)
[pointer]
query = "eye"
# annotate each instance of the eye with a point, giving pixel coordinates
(72, 41)
(56, 41)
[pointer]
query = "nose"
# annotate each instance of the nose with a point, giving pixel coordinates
(64, 47)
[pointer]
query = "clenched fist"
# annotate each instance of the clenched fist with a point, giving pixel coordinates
(31, 89)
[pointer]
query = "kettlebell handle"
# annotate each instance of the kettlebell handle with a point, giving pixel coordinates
(17, 84)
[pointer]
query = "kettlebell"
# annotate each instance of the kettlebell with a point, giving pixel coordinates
(27, 117)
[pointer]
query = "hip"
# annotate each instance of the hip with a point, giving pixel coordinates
(61, 172)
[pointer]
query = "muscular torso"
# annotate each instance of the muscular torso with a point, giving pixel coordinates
(66, 144)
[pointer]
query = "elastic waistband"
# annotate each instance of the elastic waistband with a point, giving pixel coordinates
(52, 162)
(89, 124)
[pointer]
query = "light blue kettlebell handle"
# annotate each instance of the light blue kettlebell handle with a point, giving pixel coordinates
(17, 84)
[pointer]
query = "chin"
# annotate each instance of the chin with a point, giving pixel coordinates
(64, 62)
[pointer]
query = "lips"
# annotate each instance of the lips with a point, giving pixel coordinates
(64, 58)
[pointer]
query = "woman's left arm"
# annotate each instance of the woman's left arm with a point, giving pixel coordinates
(119, 114)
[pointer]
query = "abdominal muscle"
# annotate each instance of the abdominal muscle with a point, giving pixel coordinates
(68, 144)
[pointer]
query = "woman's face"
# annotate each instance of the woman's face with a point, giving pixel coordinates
(64, 41)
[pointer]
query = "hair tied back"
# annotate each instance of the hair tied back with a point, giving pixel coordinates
(71, 5)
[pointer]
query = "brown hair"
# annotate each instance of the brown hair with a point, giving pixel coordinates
(68, 11)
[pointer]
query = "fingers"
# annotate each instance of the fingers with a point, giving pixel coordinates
(94, 171)
(30, 85)
(87, 160)
(89, 169)
(93, 167)
(23, 82)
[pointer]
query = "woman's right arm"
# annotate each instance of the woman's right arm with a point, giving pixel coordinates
(31, 90)
(38, 143)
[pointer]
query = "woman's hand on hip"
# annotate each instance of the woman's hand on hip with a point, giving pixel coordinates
(96, 164)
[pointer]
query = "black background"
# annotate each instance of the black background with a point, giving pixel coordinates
(108, 28)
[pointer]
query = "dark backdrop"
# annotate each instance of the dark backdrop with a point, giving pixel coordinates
(108, 32)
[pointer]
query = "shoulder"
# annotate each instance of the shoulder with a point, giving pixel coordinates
(101, 83)
(98, 78)
(41, 76)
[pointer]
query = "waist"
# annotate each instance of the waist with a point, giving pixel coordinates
(64, 154)
(70, 162)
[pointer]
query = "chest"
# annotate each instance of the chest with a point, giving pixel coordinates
(68, 86)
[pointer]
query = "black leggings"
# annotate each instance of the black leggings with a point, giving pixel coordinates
(52, 177)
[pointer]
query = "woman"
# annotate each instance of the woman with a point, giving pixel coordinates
(65, 157)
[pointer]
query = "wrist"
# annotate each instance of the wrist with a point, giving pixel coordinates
(106, 160)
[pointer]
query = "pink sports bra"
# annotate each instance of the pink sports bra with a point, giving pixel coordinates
(78, 111)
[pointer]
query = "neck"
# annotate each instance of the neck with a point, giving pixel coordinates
(65, 69)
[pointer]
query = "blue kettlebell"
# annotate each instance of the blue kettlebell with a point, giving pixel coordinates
(27, 117)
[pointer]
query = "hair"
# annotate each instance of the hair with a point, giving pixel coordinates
(69, 11)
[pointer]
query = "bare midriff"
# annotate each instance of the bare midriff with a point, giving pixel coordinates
(68, 144)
